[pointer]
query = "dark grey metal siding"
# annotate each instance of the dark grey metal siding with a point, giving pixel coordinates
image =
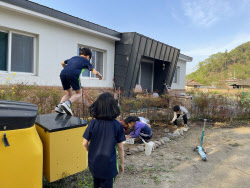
(129, 51)
(158, 51)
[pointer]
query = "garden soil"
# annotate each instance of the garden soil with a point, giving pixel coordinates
(176, 165)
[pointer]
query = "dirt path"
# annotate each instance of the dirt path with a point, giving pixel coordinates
(176, 165)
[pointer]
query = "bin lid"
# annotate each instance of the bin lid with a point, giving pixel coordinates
(58, 122)
(16, 115)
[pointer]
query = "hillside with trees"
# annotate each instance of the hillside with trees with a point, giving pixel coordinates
(222, 66)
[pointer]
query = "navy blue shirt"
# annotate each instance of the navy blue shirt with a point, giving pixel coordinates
(103, 136)
(75, 65)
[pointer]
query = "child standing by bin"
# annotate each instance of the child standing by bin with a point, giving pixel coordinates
(70, 77)
(140, 129)
(180, 111)
(105, 135)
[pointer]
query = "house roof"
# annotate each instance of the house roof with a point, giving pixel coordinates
(192, 82)
(188, 80)
(243, 82)
(185, 58)
(62, 16)
(139, 34)
(26, 4)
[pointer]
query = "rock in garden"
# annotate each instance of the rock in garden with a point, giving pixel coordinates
(162, 141)
(166, 139)
(181, 132)
(149, 165)
(178, 158)
(170, 135)
(166, 130)
(157, 142)
(140, 148)
(176, 134)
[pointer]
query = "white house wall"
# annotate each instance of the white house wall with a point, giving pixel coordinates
(55, 43)
(181, 77)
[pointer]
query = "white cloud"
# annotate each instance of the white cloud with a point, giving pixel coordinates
(206, 12)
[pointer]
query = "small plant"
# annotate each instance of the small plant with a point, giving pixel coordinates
(143, 182)
(164, 170)
(145, 169)
(156, 179)
(130, 167)
(171, 166)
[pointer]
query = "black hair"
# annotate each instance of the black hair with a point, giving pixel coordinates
(85, 52)
(105, 107)
(176, 108)
(131, 119)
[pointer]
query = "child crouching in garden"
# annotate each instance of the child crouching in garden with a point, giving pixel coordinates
(180, 112)
(105, 134)
(140, 129)
(141, 119)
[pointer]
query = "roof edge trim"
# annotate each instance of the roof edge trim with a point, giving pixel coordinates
(55, 20)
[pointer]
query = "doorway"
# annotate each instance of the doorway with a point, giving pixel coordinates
(146, 75)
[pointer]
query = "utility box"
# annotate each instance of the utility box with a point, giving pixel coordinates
(61, 136)
(21, 151)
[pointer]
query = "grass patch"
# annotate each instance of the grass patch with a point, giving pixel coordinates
(80, 180)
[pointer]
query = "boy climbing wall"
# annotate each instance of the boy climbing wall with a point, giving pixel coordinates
(70, 78)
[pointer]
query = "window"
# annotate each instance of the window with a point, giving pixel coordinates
(176, 75)
(3, 51)
(17, 52)
(97, 62)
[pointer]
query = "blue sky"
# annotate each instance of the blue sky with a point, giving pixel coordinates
(198, 27)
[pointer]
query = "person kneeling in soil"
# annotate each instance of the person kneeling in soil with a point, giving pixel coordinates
(180, 111)
(140, 129)
(141, 119)
(105, 134)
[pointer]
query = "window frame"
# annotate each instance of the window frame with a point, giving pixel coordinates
(9, 48)
(103, 63)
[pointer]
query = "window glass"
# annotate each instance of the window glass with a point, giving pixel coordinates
(86, 73)
(97, 62)
(22, 53)
(3, 51)
(176, 73)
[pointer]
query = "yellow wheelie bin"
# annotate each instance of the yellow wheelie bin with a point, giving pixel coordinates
(63, 153)
(21, 151)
